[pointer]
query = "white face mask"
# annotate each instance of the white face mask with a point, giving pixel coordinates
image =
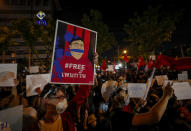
(62, 106)
(126, 97)
(127, 101)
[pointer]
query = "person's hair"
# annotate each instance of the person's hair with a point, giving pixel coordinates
(111, 76)
(116, 100)
(75, 39)
(51, 90)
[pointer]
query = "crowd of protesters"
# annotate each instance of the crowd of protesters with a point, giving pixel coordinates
(86, 108)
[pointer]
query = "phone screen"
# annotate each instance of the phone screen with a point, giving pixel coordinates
(104, 107)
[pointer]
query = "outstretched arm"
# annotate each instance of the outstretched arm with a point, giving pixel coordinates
(157, 111)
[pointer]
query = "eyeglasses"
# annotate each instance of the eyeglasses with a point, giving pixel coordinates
(57, 97)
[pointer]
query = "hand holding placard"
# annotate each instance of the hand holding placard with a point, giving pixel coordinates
(168, 90)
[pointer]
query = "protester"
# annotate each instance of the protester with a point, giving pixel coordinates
(89, 108)
(124, 121)
(13, 98)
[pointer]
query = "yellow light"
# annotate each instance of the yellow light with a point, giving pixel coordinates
(125, 51)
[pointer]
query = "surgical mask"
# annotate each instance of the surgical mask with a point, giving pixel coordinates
(127, 101)
(124, 93)
(62, 106)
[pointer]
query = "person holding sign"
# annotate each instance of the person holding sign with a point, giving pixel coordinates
(121, 120)
(60, 113)
(13, 99)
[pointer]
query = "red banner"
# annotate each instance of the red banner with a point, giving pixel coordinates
(174, 63)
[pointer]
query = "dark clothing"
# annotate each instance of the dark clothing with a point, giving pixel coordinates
(120, 120)
(69, 116)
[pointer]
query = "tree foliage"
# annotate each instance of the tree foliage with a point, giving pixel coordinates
(46, 37)
(106, 39)
(150, 29)
(32, 33)
(6, 37)
(26, 30)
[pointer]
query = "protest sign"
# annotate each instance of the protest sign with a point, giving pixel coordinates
(12, 117)
(8, 72)
(110, 68)
(182, 77)
(36, 81)
(34, 69)
(182, 90)
(160, 79)
(136, 90)
(73, 54)
(184, 72)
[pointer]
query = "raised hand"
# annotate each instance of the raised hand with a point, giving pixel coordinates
(168, 90)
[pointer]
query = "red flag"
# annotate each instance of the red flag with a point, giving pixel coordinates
(125, 58)
(141, 62)
(104, 65)
(150, 64)
(163, 60)
(114, 64)
(174, 63)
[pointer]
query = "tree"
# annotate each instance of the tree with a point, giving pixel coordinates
(106, 39)
(26, 31)
(148, 30)
(6, 40)
(46, 37)
(32, 33)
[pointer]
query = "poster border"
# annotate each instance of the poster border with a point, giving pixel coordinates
(54, 46)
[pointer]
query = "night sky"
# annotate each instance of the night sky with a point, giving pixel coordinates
(116, 13)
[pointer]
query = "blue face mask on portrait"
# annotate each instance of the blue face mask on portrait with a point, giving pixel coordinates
(77, 50)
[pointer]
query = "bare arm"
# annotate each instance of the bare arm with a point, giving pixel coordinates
(157, 111)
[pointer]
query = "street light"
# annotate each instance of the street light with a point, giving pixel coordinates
(119, 65)
(124, 51)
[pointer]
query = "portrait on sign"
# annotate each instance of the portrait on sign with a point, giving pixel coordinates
(74, 50)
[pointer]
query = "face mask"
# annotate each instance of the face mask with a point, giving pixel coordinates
(62, 106)
(126, 97)
(127, 100)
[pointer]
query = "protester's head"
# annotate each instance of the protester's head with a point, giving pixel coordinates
(55, 98)
(77, 48)
(92, 120)
(111, 76)
(107, 89)
(5, 91)
(120, 80)
(152, 99)
(118, 99)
